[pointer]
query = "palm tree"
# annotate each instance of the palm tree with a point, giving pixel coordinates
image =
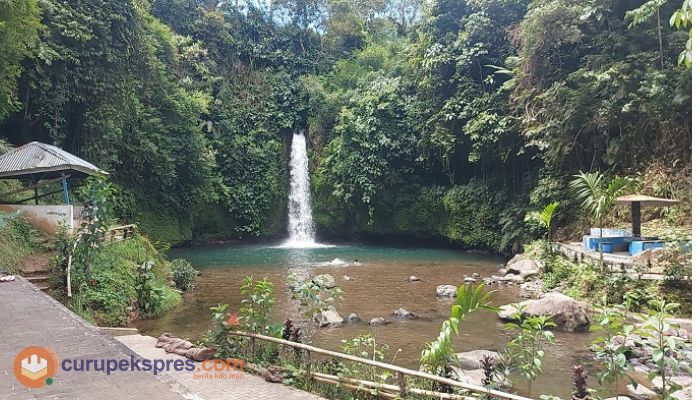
(597, 198)
(544, 219)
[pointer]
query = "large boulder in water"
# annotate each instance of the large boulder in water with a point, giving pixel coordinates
(469, 376)
(472, 359)
(567, 313)
(324, 281)
(476, 377)
(446, 291)
(329, 317)
(523, 266)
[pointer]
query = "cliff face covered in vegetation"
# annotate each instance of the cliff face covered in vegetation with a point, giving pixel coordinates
(446, 121)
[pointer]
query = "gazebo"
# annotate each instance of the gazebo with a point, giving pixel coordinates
(39, 165)
(636, 202)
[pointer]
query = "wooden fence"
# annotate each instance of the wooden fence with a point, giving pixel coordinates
(381, 389)
(119, 233)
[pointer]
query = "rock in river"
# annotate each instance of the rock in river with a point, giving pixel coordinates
(684, 394)
(471, 376)
(567, 313)
(413, 278)
(352, 317)
(403, 313)
(523, 266)
(377, 321)
(325, 281)
(329, 317)
(446, 291)
(641, 392)
(472, 359)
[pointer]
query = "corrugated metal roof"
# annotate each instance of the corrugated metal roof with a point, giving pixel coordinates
(646, 200)
(44, 161)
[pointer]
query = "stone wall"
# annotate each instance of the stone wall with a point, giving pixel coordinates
(43, 217)
(642, 265)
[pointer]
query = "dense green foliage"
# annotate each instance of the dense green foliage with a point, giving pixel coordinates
(184, 274)
(19, 25)
(127, 280)
(448, 122)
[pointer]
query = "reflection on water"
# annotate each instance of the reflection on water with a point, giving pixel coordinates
(379, 285)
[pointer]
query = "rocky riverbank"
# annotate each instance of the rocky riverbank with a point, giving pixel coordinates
(574, 315)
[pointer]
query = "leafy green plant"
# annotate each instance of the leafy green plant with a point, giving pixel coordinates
(150, 293)
(597, 197)
(439, 355)
(365, 345)
(256, 307)
(218, 336)
(611, 346)
(682, 19)
(313, 295)
(544, 219)
(184, 274)
(525, 351)
(665, 347)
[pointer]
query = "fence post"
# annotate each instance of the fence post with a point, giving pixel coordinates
(402, 384)
(308, 365)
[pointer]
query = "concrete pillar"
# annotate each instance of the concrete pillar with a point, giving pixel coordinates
(636, 219)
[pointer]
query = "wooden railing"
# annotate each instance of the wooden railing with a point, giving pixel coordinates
(120, 233)
(400, 390)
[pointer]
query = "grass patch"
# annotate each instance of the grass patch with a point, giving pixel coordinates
(18, 239)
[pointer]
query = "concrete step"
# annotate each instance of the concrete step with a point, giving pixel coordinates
(37, 278)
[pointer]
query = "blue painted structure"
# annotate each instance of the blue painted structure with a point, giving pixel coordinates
(638, 246)
(613, 240)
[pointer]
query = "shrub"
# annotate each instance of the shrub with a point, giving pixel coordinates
(127, 279)
(184, 274)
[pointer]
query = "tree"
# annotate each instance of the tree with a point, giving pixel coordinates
(597, 197)
(544, 219)
(19, 26)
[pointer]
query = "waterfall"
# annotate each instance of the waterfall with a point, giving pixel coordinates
(300, 221)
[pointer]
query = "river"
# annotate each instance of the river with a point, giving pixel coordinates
(379, 285)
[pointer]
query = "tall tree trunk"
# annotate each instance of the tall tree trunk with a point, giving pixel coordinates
(661, 42)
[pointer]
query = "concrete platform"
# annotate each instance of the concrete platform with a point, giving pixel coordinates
(248, 387)
(32, 318)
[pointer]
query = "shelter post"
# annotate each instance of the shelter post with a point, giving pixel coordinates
(64, 181)
(636, 218)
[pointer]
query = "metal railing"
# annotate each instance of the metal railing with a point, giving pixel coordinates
(374, 387)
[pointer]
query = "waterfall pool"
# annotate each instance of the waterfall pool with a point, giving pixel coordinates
(378, 285)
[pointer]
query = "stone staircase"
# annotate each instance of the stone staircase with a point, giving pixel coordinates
(35, 268)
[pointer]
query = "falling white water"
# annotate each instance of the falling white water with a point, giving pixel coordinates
(301, 224)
